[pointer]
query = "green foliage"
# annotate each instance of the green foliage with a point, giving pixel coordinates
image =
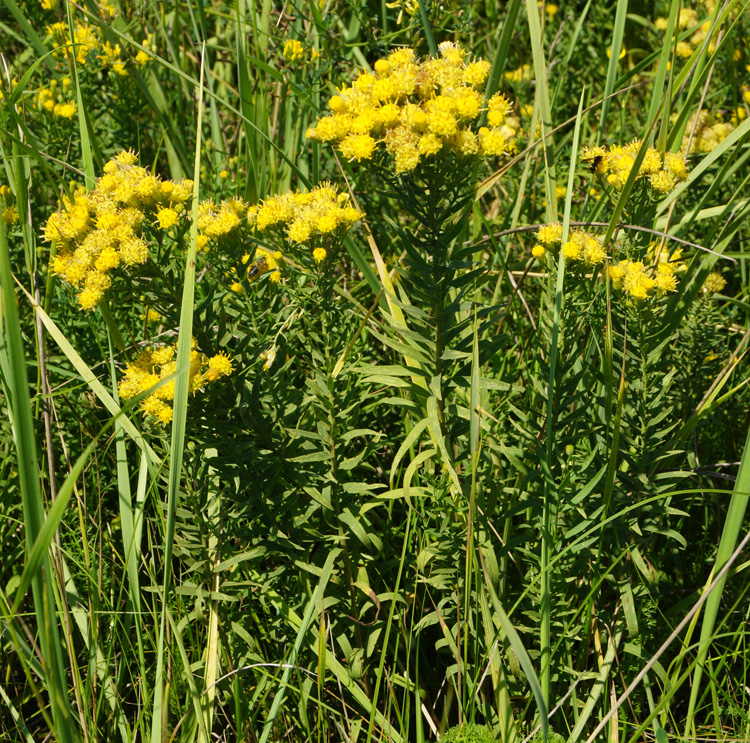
(442, 480)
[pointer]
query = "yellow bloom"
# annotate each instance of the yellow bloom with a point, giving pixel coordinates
(492, 141)
(357, 147)
(476, 73)
(65, 110)
(549, 234)
(714, 282)
(571, 250)
(167, 218)
(218, 366)
(429, 144)
(405, 100)
(10, 215)
(293, 50)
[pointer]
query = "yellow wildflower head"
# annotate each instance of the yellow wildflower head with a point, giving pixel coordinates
(549, 234)
(714, 283)
(293, 50)
(218, 366)
(417, 110)
(167, 218)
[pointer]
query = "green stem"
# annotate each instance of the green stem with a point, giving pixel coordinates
(550, 499)
(331, 383)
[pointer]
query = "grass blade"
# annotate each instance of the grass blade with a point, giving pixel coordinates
(182, 390)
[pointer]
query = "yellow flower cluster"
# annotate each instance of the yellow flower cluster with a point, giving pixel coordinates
(687, 19)
(417, 109)
(218, 221)
(57, 99)
(263, 262)
(101, 229)
(709, 132)
(410, 7)
(520, 74)
(639, 280)
(85, 39)
(295, 53)
(154, 365)
(714, 282)
(580, 246)
(9, 211)
(664, 172)
(306, 217)
(549, 9)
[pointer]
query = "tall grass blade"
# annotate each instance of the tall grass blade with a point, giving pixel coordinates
(545, 110)
(729, 536)
(182, 390)
(19, 407)
(614, 61)
(312, 605)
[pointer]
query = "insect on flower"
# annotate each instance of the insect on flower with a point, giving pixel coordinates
(257, 268)
(592, 163)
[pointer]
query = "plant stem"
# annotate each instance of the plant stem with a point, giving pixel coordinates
(331, 383)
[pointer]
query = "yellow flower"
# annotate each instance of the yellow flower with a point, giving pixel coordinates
(158, 409)
(663, 181)
(10, 215)
(337, 104)
(714, 282)
(498, 108)
(167, 218)
(538, 251)
(357, 147)
(268, 356)
(108, 258)
(623, 52)
(293, 50)
(429, 144)
(300, 230)
(492, 141)
(549, 234)
(65, 110)
(319, 254)
(633, 279)
(405, 99)
(476, 73)
(218, 366)
(571, 250)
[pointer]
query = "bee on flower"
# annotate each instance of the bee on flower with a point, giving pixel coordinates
(662, 171)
